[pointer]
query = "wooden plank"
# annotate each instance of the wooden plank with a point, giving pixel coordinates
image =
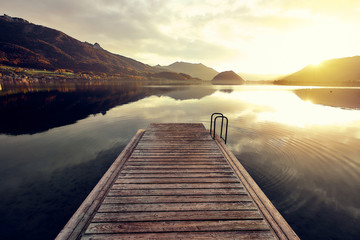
(176, 134)
(171, 163)
(154, 147)
(172, 216)
(177, 155)
(183, 170)
(81, 217)
(179, 135)
(176, 127)
(176, 192)
(230, 179)
(179, 142)
(170, 150)
(176, 158)
(177, 226)
(177, 199)
(230, 235)
(156, 144)
(176, 186)
(167, 140)
(178, 151)
(166, 162)
(176, 167)
(182, 154)
(159, 207)
(177, 175)
(180, 130)
(167, 127)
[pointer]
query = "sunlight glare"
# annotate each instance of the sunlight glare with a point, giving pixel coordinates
(286, 108)
(316, 62)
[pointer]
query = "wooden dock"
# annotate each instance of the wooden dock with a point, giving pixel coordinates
(173, 181)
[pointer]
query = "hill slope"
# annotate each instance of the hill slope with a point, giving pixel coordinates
(194, 69)
(227, 77)
(25, 44)
(340, 71)
(259, 77)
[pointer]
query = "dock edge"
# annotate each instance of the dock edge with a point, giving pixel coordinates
(281, 228)
(79, 221)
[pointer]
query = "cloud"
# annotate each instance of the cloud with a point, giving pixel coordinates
(224, 33)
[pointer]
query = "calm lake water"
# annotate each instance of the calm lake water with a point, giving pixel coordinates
(301, 145)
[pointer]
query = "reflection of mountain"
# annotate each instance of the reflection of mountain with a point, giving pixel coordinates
(341, 71)
(33, 112)
(193, 92)
(29, 113)
(226, 90)
(195, 70)
(335, 97)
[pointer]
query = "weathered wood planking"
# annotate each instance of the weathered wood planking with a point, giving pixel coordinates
(229, 235)
(175, 182)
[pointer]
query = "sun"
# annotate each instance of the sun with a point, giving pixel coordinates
(316, 63)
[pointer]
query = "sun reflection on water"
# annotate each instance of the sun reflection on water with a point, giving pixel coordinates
(286, 108)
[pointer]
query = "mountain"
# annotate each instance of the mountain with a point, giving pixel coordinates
(227, 77)
(194, 69)
(339, 71)
(24, 44)
(172, 76)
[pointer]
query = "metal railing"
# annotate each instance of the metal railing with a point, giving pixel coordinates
(213, 132)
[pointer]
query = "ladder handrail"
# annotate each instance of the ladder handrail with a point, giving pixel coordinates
(212, 133)
(211, 123)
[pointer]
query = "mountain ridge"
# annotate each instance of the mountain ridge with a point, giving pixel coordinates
(337, 71)
(27, 45)
(197, 70)
(43, 47)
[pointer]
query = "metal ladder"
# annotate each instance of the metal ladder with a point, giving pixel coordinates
(213, 118)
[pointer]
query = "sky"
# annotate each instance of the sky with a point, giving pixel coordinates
(250, 36)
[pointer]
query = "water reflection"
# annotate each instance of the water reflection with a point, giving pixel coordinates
(286, 108)
(308, 165)
(335, 97)
(311, 175)
(37, 109)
